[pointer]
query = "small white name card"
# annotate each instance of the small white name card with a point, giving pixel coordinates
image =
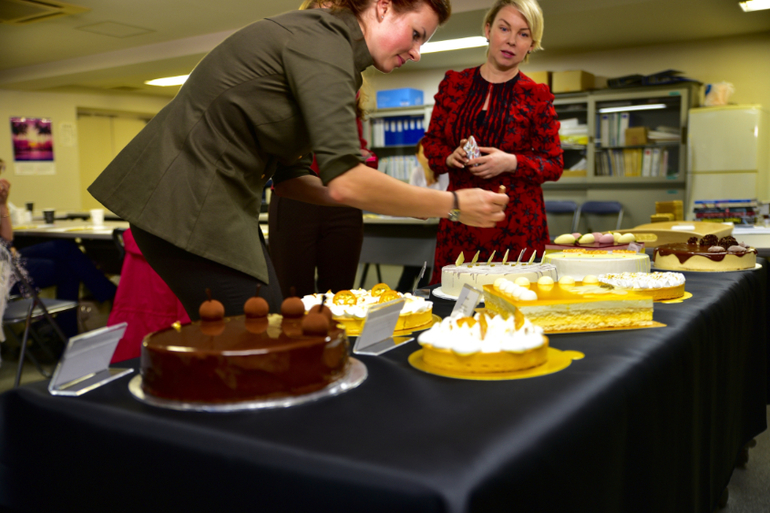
(380, 324)
(467, 301)
(85, 364)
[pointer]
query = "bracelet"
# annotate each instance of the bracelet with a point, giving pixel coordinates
(454, 214)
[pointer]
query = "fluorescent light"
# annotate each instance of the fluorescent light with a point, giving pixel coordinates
(755, 5)
(634, 107)
(454, 44)
(168, 81)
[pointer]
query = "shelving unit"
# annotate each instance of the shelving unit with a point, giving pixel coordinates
(586, 177)
(395, 148)
(627, 180)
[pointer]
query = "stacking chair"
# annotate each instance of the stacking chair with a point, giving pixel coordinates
(28, 311)
(563, 207)
(600, 208)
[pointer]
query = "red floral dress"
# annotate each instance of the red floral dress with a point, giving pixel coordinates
(520, 119)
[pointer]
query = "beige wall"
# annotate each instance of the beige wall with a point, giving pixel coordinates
(63, 189)
(743, 61)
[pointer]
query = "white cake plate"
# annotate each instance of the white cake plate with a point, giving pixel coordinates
(355, 375)
(442, 295)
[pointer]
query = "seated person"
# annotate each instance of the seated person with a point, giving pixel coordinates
(58, 263)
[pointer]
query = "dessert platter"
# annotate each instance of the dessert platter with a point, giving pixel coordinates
(661, 286)
(350, 307)
(706, 254)
(253, 361)
(488, 347)
(475, 274)
(570, 305)
(579, 262)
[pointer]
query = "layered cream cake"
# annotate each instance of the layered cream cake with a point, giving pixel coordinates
(570, 305)
(349, 307)
(454, 277)
(577, 263)
(484, 344)
(659, 285)
(244, 358)
(709, 254)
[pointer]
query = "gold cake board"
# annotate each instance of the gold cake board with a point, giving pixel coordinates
(557, 360)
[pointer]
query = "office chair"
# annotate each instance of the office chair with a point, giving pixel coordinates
(561, 207)
(601, 208)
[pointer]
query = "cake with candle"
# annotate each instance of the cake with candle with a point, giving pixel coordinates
(579, 262)
(476, 274)
(708, 254)
(254, 356)
(570, 305)
(484, 344)
(350, 307)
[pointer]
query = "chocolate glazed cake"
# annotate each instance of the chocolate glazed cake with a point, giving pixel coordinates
(248, 357)
(706, 254)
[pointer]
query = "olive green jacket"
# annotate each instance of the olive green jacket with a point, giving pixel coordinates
(254, 108)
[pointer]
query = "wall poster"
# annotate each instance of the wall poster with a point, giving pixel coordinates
(32, 146)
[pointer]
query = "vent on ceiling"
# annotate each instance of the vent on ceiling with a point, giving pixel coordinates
(20, 12)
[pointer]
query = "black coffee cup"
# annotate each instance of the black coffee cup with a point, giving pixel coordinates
(48, 215)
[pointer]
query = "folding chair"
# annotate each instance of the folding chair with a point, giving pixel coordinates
(601, 208)
(562, 207)
(29, 310)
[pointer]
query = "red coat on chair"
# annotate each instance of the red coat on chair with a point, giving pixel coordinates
(143, 300)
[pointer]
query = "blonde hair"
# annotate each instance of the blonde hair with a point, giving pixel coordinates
(531, 11)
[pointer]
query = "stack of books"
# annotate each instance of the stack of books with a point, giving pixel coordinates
(737, 211)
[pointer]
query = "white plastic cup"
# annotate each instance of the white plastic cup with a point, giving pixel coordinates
(97, 216)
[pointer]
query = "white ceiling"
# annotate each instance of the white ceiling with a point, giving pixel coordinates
(72, 53)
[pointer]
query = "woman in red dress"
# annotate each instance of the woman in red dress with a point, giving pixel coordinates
(514, 123)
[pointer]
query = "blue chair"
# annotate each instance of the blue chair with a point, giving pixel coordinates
(601, 208)
(561, 207)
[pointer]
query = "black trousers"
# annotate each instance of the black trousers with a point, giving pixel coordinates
(306, 238)
(189, 275)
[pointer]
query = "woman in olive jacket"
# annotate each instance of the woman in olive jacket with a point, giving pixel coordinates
(258, 106)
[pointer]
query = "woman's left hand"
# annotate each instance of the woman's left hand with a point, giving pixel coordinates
(492, 162)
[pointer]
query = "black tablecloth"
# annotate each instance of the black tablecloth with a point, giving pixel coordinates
(649, 420)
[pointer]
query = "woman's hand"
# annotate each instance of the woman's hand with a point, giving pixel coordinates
(5, 190)
(481, 208)
(458, 158)
(492, 163)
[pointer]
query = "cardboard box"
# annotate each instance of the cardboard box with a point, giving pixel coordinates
(636, 136)
(404, 97)
(571, 81)
(540, 77)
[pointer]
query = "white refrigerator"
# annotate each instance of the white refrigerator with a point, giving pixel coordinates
(728, 155)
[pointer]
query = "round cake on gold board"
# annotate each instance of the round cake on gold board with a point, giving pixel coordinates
(557, 360)
(350, 308)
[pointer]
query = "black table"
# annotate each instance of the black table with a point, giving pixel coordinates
(649, 420)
